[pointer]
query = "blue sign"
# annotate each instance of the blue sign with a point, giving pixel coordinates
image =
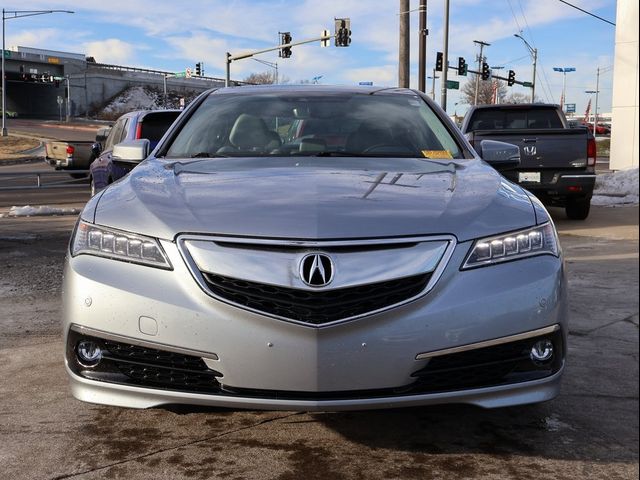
(365, 83)
(571, 107)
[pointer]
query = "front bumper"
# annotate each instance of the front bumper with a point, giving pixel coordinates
(360, 358)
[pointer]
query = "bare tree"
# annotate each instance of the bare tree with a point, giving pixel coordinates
(518, 97)
(262, 78)
(485, 91)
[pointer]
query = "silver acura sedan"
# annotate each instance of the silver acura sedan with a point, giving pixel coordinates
(314, 248)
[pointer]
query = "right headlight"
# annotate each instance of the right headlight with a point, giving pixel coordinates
(540, 240)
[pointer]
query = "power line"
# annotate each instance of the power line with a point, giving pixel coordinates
(544, 73)
(588, 13)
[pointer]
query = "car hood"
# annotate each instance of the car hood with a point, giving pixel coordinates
(315, 198)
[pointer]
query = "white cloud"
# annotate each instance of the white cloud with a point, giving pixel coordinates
(111, 50)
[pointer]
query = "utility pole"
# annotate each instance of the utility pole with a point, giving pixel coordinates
(68, 98)
(445, 57)
(480, 60)
(595, 112)
(422, 47)
(404, 45)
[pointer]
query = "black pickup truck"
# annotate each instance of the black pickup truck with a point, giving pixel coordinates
(557, 163)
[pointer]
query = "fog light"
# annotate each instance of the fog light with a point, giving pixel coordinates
(541, 351)
(89, 353)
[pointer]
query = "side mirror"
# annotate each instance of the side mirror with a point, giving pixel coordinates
(500, 154)
(102, 134)
(130, 152)
(96, 149)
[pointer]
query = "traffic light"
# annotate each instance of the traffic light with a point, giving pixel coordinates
(198, 69)
(343, 32)
(439, 60)
(462, 66)
(285, 38)
(512, 78)
(486, 72)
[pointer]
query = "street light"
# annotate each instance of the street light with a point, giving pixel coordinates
(496, 85)
(564, 71)
(534, 54)
(595, 110)
(12, 14)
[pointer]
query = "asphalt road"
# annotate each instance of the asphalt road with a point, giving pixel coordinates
(589, 432)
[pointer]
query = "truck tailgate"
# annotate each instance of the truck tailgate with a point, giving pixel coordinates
(542, 148)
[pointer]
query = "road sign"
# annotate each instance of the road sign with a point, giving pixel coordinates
(365, 83)
(7, 54)
(571, 107)
(187, 73)
(527, 84)
(180, 74)
(59, 100)
(453, 85)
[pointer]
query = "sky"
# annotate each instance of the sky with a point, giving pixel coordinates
(170, 35)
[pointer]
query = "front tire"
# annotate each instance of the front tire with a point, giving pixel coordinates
(578, 209)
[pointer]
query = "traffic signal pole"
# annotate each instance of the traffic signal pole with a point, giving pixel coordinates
(241, 56)
(422, 47)
(445, 59)
(480, 60)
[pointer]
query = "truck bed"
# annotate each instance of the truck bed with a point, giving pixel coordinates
(69, 155)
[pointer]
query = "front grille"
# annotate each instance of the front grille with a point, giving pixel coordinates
(316, 307)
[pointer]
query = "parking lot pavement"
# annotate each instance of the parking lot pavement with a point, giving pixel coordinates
(589, 432)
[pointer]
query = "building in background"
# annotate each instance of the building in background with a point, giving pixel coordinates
(624, 128)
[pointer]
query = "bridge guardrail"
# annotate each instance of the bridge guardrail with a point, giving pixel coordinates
(42, 179)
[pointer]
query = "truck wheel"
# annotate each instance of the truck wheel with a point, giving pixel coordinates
(578, 209)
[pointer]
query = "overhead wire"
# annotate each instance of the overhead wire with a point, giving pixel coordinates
(587, 12)
(520, 30)
(542, 69)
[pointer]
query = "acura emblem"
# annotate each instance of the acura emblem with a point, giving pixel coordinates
(316, 270)
(530, 150)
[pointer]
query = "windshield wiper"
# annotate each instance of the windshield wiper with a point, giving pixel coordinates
(207, 155)
(364, 154)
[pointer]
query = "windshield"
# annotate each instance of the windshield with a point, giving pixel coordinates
(298, 124)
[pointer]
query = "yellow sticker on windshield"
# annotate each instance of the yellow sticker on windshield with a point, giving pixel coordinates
(436, 153)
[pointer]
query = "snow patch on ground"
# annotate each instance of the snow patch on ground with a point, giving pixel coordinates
(134, 98)
(616, 188)
(40, 210)
(143, 98)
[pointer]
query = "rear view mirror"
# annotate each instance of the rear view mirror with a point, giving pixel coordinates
(102, 134)
(500, 154)
(131, 152)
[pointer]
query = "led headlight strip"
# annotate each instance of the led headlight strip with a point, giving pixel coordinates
(538, 240)
(106, 242)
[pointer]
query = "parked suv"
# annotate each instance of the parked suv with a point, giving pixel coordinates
(139, 124)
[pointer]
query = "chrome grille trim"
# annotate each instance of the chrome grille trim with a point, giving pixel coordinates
(317, 245)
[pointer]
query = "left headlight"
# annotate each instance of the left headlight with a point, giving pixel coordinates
(540, 240)
(107, 242)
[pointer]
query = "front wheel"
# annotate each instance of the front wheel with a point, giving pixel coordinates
(578, 209)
